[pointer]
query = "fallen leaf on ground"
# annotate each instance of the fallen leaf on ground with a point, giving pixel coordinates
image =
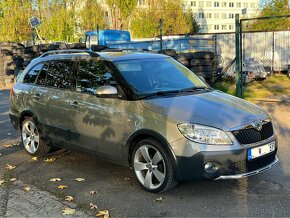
(13, 179)
(50, 160)
(126, 179)
(34, 158)
(27, 189)
(79, 179)
(10, 167)
(159, 199)
(0, 154)
(55, 179)
(2, 182)
(93, 192)
(93, 206)
(69, 198)
(62, 187)
(104, 213)
(8, 146)
(68, 211)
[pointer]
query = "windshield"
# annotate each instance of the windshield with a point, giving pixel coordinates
(149, 76)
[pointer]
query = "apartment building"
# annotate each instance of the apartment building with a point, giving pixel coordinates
(215, 16)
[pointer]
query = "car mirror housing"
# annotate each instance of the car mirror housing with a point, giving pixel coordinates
(107, 92)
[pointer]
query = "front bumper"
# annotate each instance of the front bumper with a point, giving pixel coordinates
(232, 164)
(252, 173)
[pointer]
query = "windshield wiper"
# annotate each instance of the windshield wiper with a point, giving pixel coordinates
(163, 93)
(195, 88)
(159, 93)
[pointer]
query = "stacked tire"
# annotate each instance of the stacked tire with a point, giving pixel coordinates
(185, 58)
(11, 62)
(203, 64)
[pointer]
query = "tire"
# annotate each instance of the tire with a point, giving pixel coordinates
(185, 56)
(35, 146)
(163, 168)
(98, 47)
(202, 55)
(205, 74)
(169, 52)
(28, 50)
(184, 62)
(204, 62)
(202, 68)
(52, 47)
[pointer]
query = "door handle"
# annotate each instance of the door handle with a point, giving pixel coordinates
(74, 104)
(37, 96)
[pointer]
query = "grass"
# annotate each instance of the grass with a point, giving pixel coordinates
(272, 87)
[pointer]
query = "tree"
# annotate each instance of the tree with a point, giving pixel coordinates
(121, 11)
(175, 21)
(273, 8)
(194, 27)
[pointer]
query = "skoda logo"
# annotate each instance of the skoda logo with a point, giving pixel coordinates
(257, 125)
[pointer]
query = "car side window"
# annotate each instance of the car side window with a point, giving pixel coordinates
(59, 74)
(41, 79)
(56, 74)
(93, 74)
(31, 76)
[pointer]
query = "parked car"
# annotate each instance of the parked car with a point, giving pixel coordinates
(142, 110)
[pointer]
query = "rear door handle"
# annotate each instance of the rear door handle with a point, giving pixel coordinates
(37, 96)
(74, 104)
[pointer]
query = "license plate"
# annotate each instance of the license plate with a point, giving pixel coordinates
(261, 151)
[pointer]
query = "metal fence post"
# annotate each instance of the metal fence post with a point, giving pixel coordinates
(239, 82)
(160, 26)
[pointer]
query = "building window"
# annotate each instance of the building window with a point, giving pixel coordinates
(238, 5)
(193, 3)
(209, 27)
(216, 15)
(208, 15)
(200, 4)
(224, 27)
(208, 4)
(201, 15)
(231, 16)
(216, 27)
(224, 4)
(245, 5)
(231, 4)
(224, 16)
(231, 27)
(216, 4)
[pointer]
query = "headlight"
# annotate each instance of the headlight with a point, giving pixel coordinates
(204, 134)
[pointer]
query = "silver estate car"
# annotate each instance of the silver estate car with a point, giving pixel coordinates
(142, 110)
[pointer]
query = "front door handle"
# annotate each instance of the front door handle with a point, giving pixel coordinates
(74, 104)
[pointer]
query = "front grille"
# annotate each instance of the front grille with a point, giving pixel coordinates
(251, 135)
(245, 166)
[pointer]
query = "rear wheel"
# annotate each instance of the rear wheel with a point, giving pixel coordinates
(153, 167)
(32, 138)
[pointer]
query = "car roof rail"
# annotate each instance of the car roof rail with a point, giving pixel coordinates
(70, 51)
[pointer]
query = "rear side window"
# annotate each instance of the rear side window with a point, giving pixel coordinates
(32, 74)
(59, 73)
(56, 74)
(93, 74)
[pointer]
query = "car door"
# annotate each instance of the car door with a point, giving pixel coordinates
(50, 99)
(97, 123)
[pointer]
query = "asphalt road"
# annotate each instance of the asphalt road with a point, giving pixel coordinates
(263, 195)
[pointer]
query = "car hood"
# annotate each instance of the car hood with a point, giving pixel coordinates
(214, 108)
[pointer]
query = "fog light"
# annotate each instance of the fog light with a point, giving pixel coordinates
(211, 167)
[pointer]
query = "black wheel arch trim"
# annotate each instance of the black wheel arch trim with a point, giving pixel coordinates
(145, 133)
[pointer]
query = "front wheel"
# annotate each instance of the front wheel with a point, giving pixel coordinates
(32, 138)
(153, 167)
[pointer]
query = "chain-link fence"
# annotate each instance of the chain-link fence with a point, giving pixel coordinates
(265, 57)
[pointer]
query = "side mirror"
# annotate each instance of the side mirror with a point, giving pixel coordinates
(106, 92)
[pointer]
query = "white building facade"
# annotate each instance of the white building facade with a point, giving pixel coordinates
(216, 16)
